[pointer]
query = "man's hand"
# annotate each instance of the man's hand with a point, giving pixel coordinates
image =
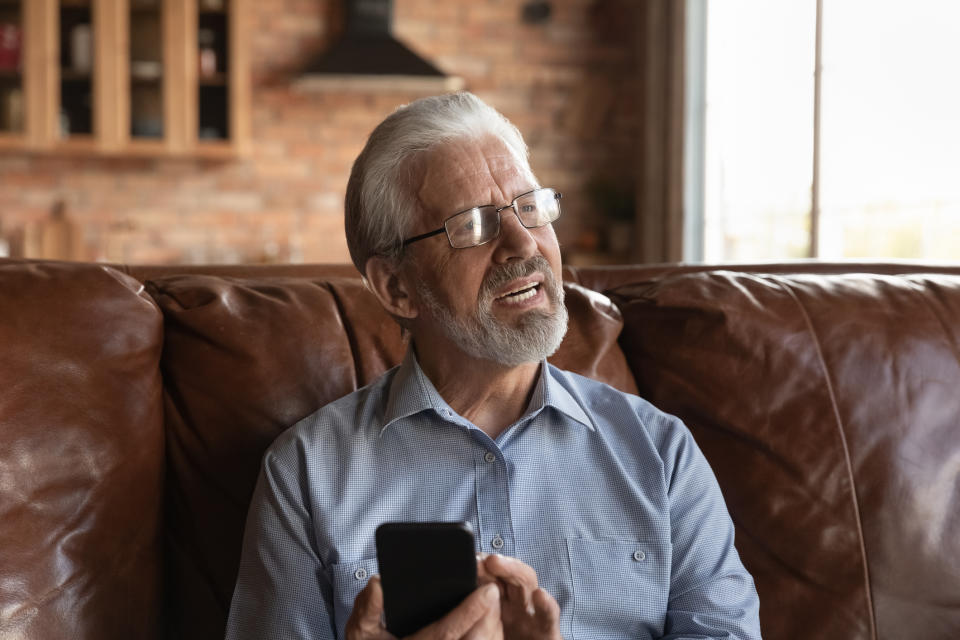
(476, 618)
(528, 612)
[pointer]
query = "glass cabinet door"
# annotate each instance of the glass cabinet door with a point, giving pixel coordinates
(146, 68)
(77, 66)
(12, 112)
(213, 72)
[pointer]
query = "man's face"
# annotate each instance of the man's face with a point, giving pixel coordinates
(501, 301)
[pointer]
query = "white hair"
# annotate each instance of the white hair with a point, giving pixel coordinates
(381, 193)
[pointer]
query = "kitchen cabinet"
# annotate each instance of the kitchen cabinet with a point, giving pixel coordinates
(125, 77)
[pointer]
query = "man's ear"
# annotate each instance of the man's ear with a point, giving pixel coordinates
(389, 284)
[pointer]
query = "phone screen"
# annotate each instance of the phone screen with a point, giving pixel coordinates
(427, 569)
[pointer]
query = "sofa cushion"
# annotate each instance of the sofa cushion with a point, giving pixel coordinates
(828, 407)
(81, 454)
(246, 358)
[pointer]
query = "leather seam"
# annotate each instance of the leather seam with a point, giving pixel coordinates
(843, 441)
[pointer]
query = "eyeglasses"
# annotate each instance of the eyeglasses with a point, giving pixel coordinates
(479, 225)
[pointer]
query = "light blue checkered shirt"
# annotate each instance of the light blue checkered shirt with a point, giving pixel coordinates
(607, 498)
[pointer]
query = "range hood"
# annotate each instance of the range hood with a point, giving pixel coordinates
(368, 57)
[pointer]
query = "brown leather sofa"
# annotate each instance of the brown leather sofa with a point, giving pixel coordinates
(135, 404)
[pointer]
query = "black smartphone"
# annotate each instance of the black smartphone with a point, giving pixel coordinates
(426, 569)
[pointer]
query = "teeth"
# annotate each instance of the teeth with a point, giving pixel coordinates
(515, 295)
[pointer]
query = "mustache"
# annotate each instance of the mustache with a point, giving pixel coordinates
(504, 273)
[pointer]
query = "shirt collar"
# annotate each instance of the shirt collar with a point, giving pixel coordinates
(411, 392)
(556, 395)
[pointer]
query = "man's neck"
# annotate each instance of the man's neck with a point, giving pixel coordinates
(490, 395)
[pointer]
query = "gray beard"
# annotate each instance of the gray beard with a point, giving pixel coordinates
(537, 336)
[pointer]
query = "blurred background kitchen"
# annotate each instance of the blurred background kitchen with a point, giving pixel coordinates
(223, 131)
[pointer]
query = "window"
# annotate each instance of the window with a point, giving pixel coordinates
(876, 174)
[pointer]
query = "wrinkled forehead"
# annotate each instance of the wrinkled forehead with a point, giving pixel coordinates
(467, 172)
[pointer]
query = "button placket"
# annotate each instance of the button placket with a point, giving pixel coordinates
(495, 527)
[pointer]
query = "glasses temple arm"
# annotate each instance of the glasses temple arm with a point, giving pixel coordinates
(423, 235)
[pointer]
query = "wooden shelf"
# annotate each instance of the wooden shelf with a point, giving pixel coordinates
(149, 81)
(213, 80)
(77, 144)
(68, 75)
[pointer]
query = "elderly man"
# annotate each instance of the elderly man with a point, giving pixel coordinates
(596, 515)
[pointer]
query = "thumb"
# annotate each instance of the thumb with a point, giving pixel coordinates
(367, 611)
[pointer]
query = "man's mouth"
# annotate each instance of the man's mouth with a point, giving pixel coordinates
(521, 293)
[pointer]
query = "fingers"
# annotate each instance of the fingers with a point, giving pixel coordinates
(511, 571)
(489, 627)
(517, 578)
(527, 611)
(546, 613)
(364, 621)
(478, 616)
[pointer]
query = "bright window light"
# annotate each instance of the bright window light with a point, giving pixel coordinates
(890, 133)
(891, 130)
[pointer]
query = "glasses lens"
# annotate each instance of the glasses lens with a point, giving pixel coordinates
(538, 208)
(472, 227)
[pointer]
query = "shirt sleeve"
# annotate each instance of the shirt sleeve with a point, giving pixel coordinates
(711, 593)
(282, 589)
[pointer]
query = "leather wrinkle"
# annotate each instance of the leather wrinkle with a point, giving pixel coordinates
(761, 543)
(950, 336)
(783, 283)
(706, 423)
(41, 600)
(350, 331)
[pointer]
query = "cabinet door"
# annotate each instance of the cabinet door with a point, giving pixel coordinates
(27, 73)
(221, 76)
(207, 97)
(144, 75)
(80, 60)
(12, 86)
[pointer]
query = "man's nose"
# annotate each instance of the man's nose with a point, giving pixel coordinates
(515, 240)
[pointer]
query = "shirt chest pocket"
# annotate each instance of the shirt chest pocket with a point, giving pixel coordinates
(348, 580)
(620, 588)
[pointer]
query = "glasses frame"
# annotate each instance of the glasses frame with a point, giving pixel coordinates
(513, 205)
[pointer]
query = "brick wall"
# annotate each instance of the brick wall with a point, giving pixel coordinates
(570, 85)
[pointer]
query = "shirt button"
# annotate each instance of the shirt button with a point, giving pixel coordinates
(497, 542)
(360, 574)
(490, 457)
(639, 556)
